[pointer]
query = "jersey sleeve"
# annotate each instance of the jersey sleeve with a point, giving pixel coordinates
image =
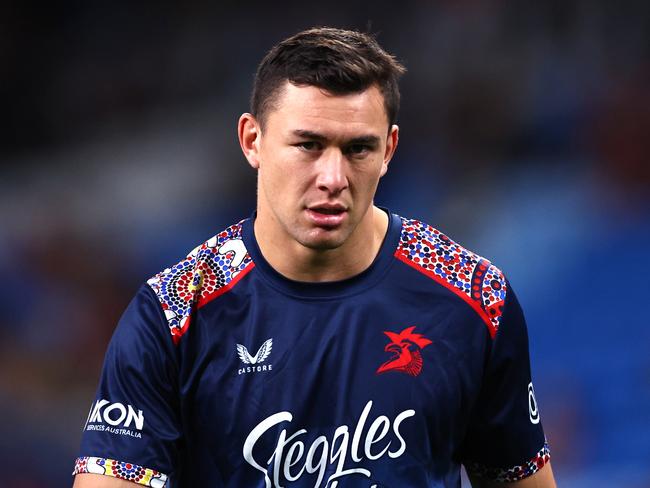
(505, 440)
(133, 428)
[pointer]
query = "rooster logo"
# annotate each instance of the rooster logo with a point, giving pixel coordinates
(262, 353)
(405, 347)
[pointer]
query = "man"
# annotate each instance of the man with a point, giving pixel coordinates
(323, 341)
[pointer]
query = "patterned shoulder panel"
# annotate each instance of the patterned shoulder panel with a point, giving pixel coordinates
(209, 271)
(471, 277)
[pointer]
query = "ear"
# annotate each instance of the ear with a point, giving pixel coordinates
(249, 132)
(391, 146)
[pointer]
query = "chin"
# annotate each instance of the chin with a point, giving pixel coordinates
(323, 245)
(334, 240)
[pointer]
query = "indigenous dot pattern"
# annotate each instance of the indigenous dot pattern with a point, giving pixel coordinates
(121, 470)
(465, 272)
(516, 473)
(205, 271)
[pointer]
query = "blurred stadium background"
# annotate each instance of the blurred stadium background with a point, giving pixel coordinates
(525, 136)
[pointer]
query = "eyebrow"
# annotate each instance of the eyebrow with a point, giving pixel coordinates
(307, 134)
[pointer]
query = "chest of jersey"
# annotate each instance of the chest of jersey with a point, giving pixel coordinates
(285, 389)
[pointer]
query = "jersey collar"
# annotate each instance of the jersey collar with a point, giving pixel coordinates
(328, 289)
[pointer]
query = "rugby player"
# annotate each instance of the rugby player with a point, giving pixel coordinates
(323, 341)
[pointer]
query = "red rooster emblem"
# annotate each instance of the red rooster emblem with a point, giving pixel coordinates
(405, 347)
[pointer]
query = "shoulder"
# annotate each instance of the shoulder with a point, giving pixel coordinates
(471, 277)
(209, 270)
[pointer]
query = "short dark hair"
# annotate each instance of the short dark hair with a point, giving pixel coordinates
(336, 60)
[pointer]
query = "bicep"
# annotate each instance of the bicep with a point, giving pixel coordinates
(133, 428)
(87, 480)
(506, 416)
(541, 479)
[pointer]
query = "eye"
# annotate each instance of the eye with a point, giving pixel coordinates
(309, 146)
(358, 149)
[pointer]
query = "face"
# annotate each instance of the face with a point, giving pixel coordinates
(319, 159)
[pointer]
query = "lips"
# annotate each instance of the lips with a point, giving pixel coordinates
(327, 215)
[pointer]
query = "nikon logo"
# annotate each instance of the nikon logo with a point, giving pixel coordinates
(114, 414)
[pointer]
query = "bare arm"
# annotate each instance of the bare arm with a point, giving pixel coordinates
(542, 479)
(87, 480)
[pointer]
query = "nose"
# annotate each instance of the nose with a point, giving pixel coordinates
(331, 167)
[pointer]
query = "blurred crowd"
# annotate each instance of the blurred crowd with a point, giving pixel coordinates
(524, 136)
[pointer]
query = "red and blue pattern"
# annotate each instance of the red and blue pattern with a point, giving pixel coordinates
(515, 473)
(473, 278)
(210, 270)
(120, 470)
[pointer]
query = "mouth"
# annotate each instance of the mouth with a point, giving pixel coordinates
(327, 215)
(328, 208)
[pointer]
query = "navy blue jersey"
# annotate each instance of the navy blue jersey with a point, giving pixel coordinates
(222, 372)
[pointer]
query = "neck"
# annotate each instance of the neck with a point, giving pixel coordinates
(300, 263)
